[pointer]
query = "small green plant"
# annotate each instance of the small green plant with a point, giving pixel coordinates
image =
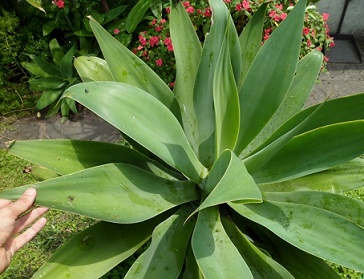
(227, 175)
(52, 79)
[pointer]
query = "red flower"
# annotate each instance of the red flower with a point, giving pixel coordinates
(59, 3)
(167, 41)
(246, 5)
(158, 28)
(168, 10)
(207, 12)
(239, 7)
(116, 31)
(186, 4)
(325, 16)
(306, 31)
(142, 40)
(163, 21)
(309, 43)
(283, 16)
(159, 62)
(153, 41)
(190, 9)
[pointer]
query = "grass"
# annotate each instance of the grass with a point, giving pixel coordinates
(60, 227)
(16, 99)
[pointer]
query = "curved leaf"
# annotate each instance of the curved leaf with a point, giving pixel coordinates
(187, 52)
(261, 265)
(97, 249)
(314, 151)
(165, 256)
(229, 180)
(216, 255)
(128, 68)
(66, 66)
(136, 14)
(251, 39)
(143, 118)
(56, 51)
(74, 155)
(47, 83)
(314, 230)
(333, 111)
(346, 207)
(34, 69)
(299, 263)
(306, 75)
(47, 67)
(226, 101)
(265, 86)
(117, 193)
(48, 97)
(92, 68)
(342, 178)
(202, 94)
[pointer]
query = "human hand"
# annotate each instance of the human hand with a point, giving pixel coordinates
(11, 224)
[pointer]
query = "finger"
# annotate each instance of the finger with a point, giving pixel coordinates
(23, 203)
(4, 203)
(29, 218)
(26, 236)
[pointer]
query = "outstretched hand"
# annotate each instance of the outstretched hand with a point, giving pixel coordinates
(11, 224)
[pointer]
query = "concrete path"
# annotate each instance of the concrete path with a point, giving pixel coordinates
(341, 79)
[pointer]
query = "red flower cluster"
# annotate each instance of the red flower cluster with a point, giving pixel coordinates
(58, 3)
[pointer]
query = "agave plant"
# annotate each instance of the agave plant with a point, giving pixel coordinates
(52, 79)
(228, 175)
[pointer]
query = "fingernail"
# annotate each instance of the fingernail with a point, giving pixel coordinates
(30, 192)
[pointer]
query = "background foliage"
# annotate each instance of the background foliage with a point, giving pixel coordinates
(140, 25)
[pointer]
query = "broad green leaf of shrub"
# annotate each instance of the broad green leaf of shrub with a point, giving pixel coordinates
(97, 192)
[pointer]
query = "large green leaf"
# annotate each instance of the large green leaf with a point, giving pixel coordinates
(314, 151)
(37, 4)
(74, 155)
(216, 255)
(47, 83)
(314, 230)
(299, 263)
(229, 180)
(251, 39)
(56, 51)
(306, 75)
(47, 67)
(226, 101)
(165, 256)
(333, 111)
(48, 97)
(144, 119)
(66, 66)
(351, 209)
(202, 95)
(97, 249)
(270, 76)
(92, 68)
(118, 193)
(342, 178)
(261, 265)
(187, 51)
(126, 67)
(34, 69)
(192, 269)
(136, 15)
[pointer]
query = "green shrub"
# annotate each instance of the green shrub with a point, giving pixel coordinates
(227, 174)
